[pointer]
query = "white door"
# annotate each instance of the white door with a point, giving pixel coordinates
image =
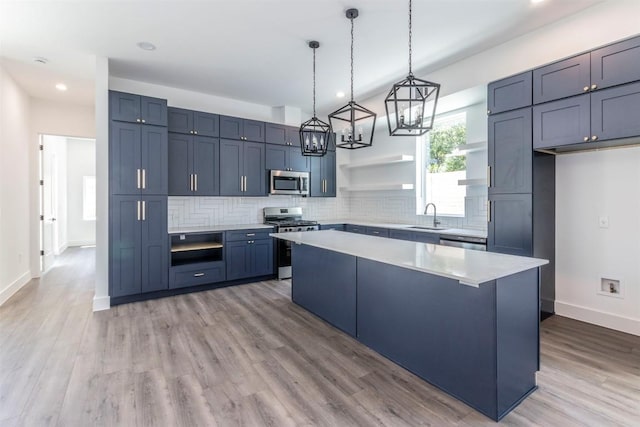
(47, 206)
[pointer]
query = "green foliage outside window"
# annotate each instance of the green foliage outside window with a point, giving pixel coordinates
(442, 141)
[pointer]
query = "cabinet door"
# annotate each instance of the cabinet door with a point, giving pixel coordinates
(401, 234)
(562, 122)
(155, 162)
(565, 78)
(155, 244)
(124, 246)
(615, 112)
(298, 162)
(355, 229)
(153, 111)
(230, 127)
(510, 228)
(510, 93)
(254, 170)
(275, 134)
(124, 107)
(253, 130)
(206, 166)
(293, 136)
(329, 173)
(206, 124)
(377, 231)
(124, 158)
(231, 167)
(238, 256)
(616, 64)
(510, 152)
(180, 120)
(425, 237)
(180, 168)
(316, 184)
(276, 157)
(262, 257)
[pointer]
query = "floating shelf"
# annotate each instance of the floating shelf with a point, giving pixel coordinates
(401, 158)
(195, 246)
(473, 181)
(380, 187)
(463, 149)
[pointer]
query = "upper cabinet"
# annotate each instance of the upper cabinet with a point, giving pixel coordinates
(242, 168)
(242, 129)
(323, 175)
(193, 122)
(509, 94)
(561, 79)
(282, 134)
(127, 107)
(616, 64)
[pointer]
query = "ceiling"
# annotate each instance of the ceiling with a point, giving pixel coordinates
(253, 50)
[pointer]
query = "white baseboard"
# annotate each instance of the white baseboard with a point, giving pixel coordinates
(81, 243)
(101, 303)
(600, 318)
(14, 287)
(61, 249)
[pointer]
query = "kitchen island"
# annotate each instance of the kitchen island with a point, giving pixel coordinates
(465, 321)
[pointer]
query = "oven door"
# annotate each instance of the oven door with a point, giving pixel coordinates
(284, 258)
(286, 182)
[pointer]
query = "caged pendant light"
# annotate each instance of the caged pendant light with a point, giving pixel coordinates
(353, 123)
(408, 100)
(314, 133)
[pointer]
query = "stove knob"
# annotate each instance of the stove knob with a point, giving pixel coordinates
(309, 228)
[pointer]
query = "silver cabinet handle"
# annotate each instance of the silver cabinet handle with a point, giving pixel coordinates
(195, 132)
(143, 121)
(190, 182)
(594, 138)
(585, 139)
(195, 181)
(144, 210)
(251, 234)
(138, 202)
(198, 275)
(241, 183)
(245, 183)
(594, 87)
(144, 178)
(489, 211)
(138, 176)
(138, 120)
(488, 176)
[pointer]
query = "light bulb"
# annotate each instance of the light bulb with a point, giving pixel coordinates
(306, 141)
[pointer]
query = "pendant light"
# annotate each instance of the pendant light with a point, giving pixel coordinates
(353, 123)
(314, 133)
(408, 100)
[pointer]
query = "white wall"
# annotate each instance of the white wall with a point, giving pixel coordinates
(14, 187)
(81, 162)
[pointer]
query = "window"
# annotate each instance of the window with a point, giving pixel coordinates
(89, 198)
(440, 168)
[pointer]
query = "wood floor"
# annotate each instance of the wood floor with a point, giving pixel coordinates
(246, 355)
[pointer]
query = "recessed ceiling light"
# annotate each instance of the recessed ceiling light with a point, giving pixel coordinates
(146, 46)
(340, 94)
(40, 60)
(61, 87)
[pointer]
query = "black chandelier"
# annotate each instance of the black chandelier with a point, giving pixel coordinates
(408, 100)
(354, 122)
(314, 133)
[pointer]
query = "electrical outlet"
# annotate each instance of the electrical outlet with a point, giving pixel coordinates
(610, 287)
(603, 221)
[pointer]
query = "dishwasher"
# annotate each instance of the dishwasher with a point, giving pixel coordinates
(466, 242)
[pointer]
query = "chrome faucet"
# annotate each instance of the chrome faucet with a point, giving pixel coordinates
(435, 218)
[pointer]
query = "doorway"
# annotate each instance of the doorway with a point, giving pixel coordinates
(66, 195)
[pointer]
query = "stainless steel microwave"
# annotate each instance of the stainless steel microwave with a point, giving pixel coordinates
(288, 182)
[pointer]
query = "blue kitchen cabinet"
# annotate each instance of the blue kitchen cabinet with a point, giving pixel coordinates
(510, 93)
(571, 76)
(248, 254)
(242, 129)
(401, 234)
(282, 134)
(359, 229)
(510, 152)
(616, 64)
(614, 112)
(510, 228)
(377, 231)
(338, 227)
(323, 175)
(426, 237)
(194, 166)
(139, 246)
(242, 168)
(193, 122)
(127, 107)
(138, 159)
(286, 158)
(563, 122)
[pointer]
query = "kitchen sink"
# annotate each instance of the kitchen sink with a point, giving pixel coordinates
(426, 227)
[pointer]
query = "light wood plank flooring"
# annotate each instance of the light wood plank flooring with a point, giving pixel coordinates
(246, 355)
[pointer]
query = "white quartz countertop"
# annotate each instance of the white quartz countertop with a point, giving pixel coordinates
(451, 231)
(212, 228)
(469, 267)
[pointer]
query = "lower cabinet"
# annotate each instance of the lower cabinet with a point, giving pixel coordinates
(377, 231)
(197, 274)
(196, 259)
(355, 229)
(510, 229)
(339, 227)
(425, 237)
(401, 234)
(139, 245)
(249, 258)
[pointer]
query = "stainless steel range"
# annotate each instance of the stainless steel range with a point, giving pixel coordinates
(286, 220)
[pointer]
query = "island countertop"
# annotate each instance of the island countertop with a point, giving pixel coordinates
(469, 267)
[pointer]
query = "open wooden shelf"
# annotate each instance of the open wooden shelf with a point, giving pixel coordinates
(198, 246)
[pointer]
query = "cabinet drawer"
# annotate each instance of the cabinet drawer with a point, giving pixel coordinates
(561, 79)
(252, 234)
(377, 231)
(339, 227)
(197, 274)
(401, 234)
(355, 229)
